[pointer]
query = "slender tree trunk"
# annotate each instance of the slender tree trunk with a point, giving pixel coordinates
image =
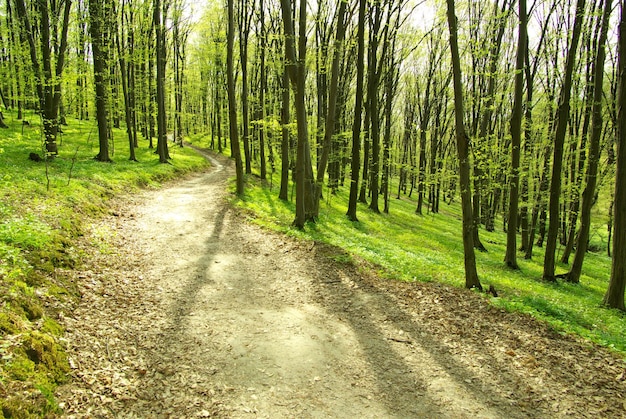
(471, 275)
(614, 296)
(262, 89)
(372, 94)
(284, 145)
(99, 45)
(559, 139)
(366, 156)
(162, 148)
(358, 107)
(305, 185)
(125, 91)
(47, 79)
(332, 102)
(232, 105)
(594, 149)
(516, 139)
(244, 31)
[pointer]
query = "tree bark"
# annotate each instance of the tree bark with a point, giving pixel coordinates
(125, 91)
(559, 139)
(372, 95)
(329, 129)
(594, 150)
(284, 145)
(161, 61)
(232, 105)
(305, 185)
(614, 296)
(358, 107)
(47, 79)
(99, 45)
(516, 139)
(471, 275)
(244, 32)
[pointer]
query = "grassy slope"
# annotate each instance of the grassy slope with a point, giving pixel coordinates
(40, 216)
(429, 248)
(38, 224)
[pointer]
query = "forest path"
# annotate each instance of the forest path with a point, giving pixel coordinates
(189, 311)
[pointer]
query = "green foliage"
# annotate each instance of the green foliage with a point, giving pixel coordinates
(43, 209)
(429, 248)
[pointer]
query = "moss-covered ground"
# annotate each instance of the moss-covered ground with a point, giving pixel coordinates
(44, 207)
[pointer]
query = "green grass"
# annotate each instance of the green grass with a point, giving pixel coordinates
(410, 247)
(44, 207)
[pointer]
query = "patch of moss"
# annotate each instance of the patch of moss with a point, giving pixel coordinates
(52, 327)
(51, 257)
(20, 367)
(34, 279)
(47, 355)
(26, 306)
(9, 323)
(28, 406)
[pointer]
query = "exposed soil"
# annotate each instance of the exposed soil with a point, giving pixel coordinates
(189, 311)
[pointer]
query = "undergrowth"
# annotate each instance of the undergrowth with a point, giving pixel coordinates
(44, 207)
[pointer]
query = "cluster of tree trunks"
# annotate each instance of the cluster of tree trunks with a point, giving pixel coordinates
(375, 97)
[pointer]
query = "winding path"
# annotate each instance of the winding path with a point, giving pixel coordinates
(189, 311)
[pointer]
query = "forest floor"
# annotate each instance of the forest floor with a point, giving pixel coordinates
(188, 310)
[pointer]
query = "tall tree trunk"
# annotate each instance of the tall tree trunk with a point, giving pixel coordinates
(366, 156)
(47, 79)
(262, 89)
(485, 124)
(284, 145)
(305, 185)
(162, 148)
(390, 83)
(125, 91)
(332, 102)
(358, 107)
(594, 150)
(471, 275)
(99, 45)
(516, 139)
(559, 139)
(244, 32)
(614, 296)
(232, 105)
(372, 95)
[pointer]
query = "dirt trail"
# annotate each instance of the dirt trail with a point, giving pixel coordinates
(189, 311)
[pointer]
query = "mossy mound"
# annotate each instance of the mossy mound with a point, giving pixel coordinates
(33, 365)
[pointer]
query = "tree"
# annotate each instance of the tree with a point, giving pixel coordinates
(516, 139)
(232, 105)
(53, 46)
(462, 143)
(484, 104)
(181, 31)
(594, 150)
(562, 118)
(305, 184)
(160, 13)
(285, 140)
(358, 107)
(127, 81)
(245, 18)
(99, 43)
(332, 101)
(373, 80)
(614, 296)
